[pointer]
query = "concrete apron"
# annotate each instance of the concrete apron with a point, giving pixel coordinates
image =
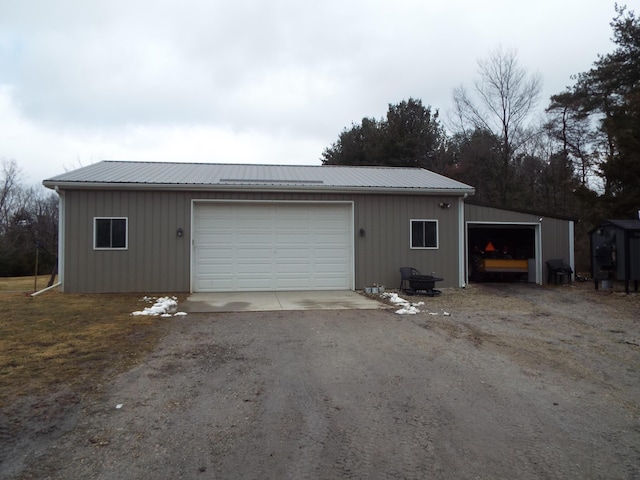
(267, 301)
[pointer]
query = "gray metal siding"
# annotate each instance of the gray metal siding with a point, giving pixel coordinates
(555, 241)
(386, 244)
(481, 213)
(158, 261)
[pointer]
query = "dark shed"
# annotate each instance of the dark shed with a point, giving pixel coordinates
(615, 252)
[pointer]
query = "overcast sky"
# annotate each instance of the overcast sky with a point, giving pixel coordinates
(244, 81)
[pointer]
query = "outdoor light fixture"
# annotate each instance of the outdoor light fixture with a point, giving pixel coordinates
(179, 232)
(362, 232)
(444, 205)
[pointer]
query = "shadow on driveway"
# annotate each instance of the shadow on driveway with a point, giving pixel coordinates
(269, 301)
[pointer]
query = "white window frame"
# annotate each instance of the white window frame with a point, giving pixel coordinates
(126, 233)
(430, 220)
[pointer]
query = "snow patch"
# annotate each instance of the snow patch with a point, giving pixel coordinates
(408, 308)
(163, 307)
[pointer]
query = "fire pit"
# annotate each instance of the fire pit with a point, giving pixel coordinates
(423, 283)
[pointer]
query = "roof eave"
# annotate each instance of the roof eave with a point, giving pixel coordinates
(66, 185)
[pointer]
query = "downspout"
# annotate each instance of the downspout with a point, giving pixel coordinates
(462, 241)
(61, 236)
(35, 294)
(572, 249)
(538, 253)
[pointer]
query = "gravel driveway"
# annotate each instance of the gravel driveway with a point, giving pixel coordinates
(519, 381)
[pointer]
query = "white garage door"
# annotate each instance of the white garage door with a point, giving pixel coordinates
(272, 246)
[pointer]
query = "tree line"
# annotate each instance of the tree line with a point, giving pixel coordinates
(581, 160)
(28, 225)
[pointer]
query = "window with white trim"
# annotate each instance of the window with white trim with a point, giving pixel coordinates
(110, 233)
(424, 234)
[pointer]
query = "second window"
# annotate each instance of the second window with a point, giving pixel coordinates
(424, 234)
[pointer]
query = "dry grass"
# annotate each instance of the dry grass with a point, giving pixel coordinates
(24, 284)
(60, 340)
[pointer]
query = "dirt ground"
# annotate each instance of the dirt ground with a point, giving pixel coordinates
(517, 381)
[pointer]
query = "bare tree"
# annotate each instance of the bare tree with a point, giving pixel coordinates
(504, 98)
(28, 224)
(10, 192)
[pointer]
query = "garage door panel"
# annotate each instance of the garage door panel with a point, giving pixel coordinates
(292, 220)
(292, 270)
(284, 239)
(325, 253)
(244, 251)
(219, 238)
(327, 224)
(326, 234)
(293, 279)
(208, 256)
(293, 251)
(333, 268)
(253, 284)
(253, 276)
(206, 284)
(250, 221)
(295, 266)
(257, 247)
(218, 279)
(249, 270)
(254, 240)
(213, 268)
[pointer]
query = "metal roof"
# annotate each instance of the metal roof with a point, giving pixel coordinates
(537, 213)
(215, 176)
(622, 224)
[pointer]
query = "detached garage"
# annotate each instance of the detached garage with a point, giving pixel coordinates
(178, 227)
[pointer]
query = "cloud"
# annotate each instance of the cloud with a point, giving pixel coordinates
(59, 150)
(266, 82)
(241, 64)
